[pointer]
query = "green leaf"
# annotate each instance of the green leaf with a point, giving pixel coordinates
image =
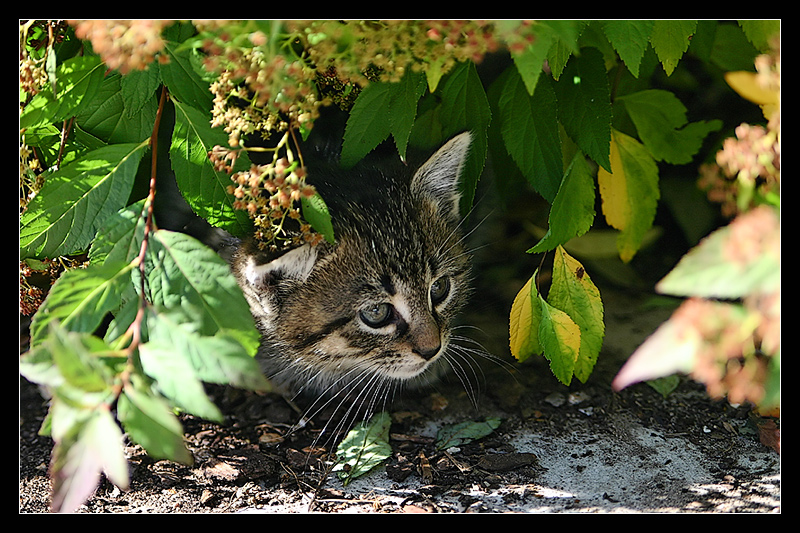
(365, 447)
(186, 277)
(572, 212)
(138, 87)
(78, 369)
(403, 108)
(81, 298)
(119, 239)
(759, 32)
(670, 40)
(630, 38)
(75, 201)
(150, 422)
(530, 132)
(369, 123)
(465, 432)
(184, 83)
(530, 61)
(573, 292)
(213, 359)
(660, 120)
(629, 193)
(465, 107)
(106, 117)
(174, 376)
(203, 187)
(584, 104)
(560, 338)
(77, 82)
(316, 213)
(382, 109)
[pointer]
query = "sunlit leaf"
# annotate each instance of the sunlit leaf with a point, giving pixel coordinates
(151, 423)
(179, 75)
(734, 261)
(119, 239)
(316, 213)
(81, 298)
(203, 187)
(77, 81)
(107, 119)
(671, 349)
(92, 447)
(187, 277)
(747, 85)
(75, 201)
(365, 447)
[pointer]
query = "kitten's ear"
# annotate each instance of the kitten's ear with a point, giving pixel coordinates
(260, 282)
(437, 178)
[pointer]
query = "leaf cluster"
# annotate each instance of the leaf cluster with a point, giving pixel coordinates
(126, 342)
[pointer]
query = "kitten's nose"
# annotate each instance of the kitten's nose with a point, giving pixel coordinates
(428, 353)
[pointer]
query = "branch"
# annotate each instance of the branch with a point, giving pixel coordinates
(136, 326)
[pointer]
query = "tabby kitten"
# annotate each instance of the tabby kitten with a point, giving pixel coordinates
(374, 310)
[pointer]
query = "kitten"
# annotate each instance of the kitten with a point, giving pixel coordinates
(374, 311)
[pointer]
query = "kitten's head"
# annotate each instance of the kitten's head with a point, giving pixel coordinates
(376, 307)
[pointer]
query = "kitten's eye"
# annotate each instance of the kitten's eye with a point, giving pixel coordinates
(376, 316)
(439, 290)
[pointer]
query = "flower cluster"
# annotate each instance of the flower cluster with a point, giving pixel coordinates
(725, 338)
(748, 168)
(30, 176)
(258, 93)
(32, 75)
(124, 44)
(353, 49)
(36, 37)
(270, 194)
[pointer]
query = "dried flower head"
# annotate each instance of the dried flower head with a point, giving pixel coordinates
(124, 44)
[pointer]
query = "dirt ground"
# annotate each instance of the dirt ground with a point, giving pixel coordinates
(583, 449)
(578, 449)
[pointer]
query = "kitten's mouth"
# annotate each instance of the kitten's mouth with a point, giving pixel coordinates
(411, 366)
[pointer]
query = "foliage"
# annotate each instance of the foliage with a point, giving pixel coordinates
(727, 333)
(574, 114)
(366, 446)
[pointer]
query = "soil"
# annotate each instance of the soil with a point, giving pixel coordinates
(583, 448)
(579, 449)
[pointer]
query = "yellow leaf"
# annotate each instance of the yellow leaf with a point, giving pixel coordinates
(746, 84)
(524, 322)
(629, 192)
(614, 191)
